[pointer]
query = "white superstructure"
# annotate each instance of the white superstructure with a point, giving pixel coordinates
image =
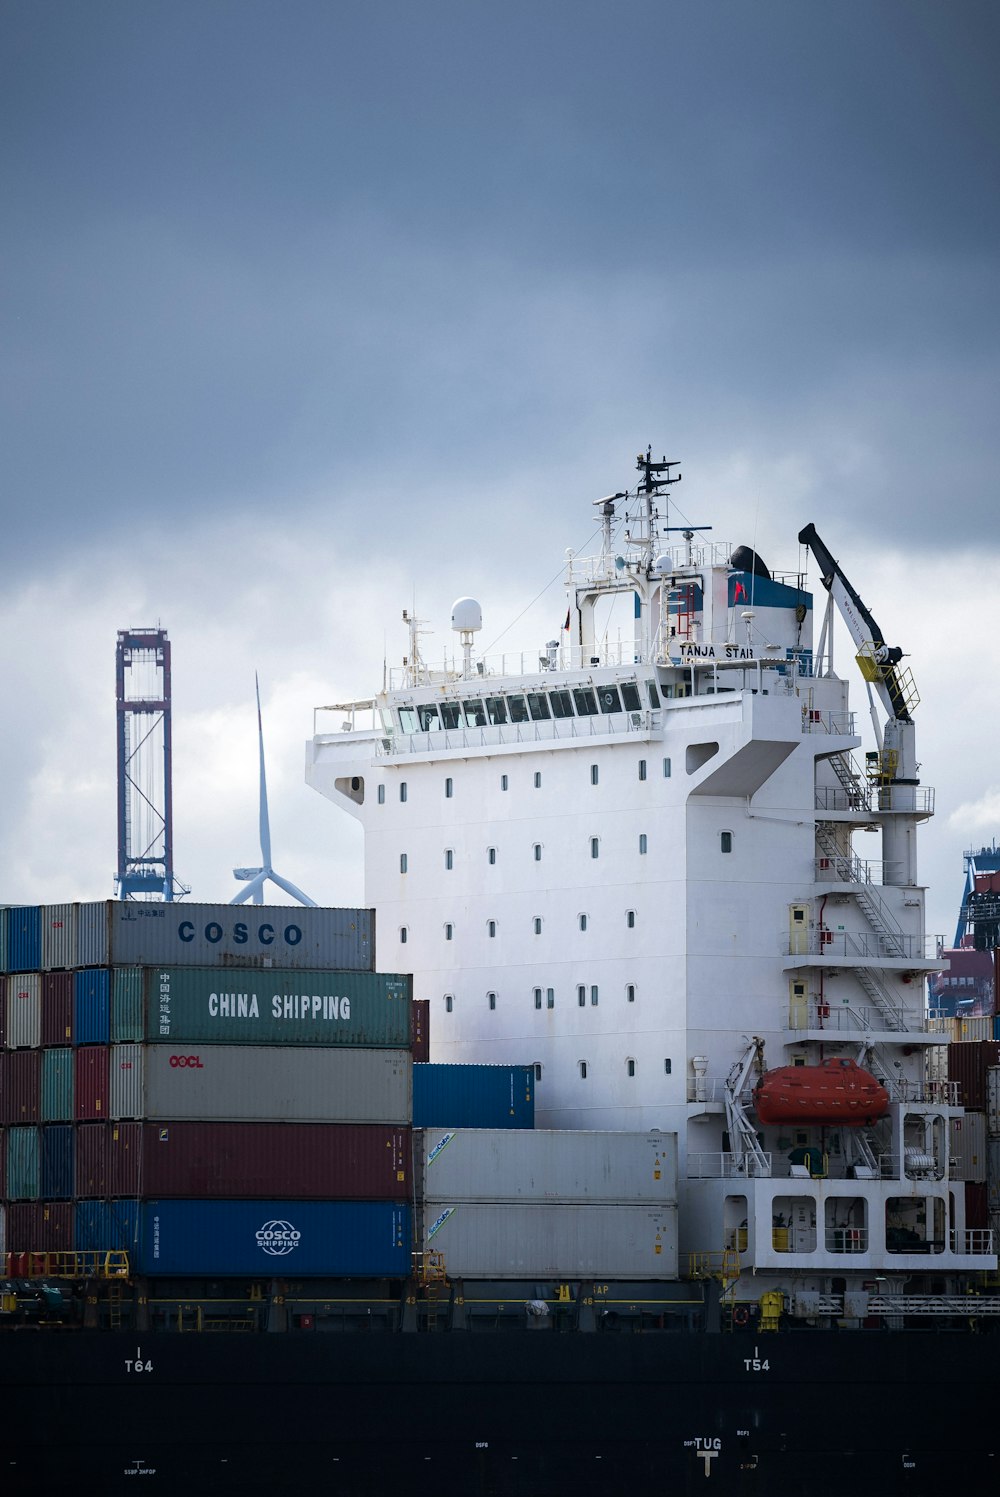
(631, 865)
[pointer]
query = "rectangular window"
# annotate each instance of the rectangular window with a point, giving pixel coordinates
(427, 717)
(631, 697)
(449, 786)
(594, 774)
(562, 703)
(491, 855)
(725, 841)
(496, 710)
(538, 779)
(407, 719)
(583, 922)
(503, 782)
(642, 769)
(666, 1067)
(583, 1070)
(537, 924)
(630, 992)
(449, 1002)
(538, 706)
(491, 928)
(381, 795)
(538, 852)
(538, 1070)
(402, 790)
(593, 997)
(586, 704)
(581, 996)
(630, 1067)
(630, 919)
(550, 997)
(538, 997)
(666, 769)
(448, 932)
(517, 707)
(475, 713)
(451, 715)
(609, 699)
(642, 842)
(491, 999)
(654, 698)
(403, 935)
(449, 859)
(403, 862)
(595, 847)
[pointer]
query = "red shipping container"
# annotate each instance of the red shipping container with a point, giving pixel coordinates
(420, 1029)
(21, 1086)
(976, 1204)
(322, 1161)
(968, 1062)
(125, 1158)
(3, 1164)
(92, 1066)
(40, 1226)
(93, 1172)
(57, 1008)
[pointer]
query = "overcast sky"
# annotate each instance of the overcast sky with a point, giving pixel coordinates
(315, 309)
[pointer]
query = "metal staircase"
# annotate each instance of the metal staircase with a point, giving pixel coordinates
(853, 873)
(854, 784)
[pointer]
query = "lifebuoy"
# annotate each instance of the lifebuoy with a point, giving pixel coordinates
(741, 1315)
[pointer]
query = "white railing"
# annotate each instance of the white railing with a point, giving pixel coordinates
(722, 1166)
(554, 730)
(865, 945)
(847, 870)
(706, 1089)
(976, 1241)
(841, 724)
(845, 1017)
(846, 1239)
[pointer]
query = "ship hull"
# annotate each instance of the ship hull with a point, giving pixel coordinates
(499, 1414)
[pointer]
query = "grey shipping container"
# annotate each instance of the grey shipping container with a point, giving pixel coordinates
(216, 1006)
(222, 1083)
(126, 933)
(58, 936)
(967, 1148)
(538, 1241)
(506, 1164)
(993, 1101)
(24, 1010)
(125, 1081)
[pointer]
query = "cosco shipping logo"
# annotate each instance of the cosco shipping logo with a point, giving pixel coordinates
(278, 1238)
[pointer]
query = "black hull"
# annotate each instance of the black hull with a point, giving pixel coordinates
(505, 1414)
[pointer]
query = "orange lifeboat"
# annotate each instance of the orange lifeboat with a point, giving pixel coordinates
(837, 1091)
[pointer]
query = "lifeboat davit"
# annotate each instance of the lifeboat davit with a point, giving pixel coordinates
(837, 1091)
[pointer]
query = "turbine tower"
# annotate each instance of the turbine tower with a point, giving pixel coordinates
(258, 877)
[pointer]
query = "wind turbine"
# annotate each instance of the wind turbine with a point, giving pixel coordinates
(258, 877)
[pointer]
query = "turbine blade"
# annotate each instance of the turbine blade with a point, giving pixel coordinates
(265, 826)
(289, 888)
(253, 890)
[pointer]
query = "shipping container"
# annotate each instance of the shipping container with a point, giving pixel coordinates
(538, 1241)
(968, 1063)
(473, 1096)
(976, 1205)
(125, 1160)
(967, 1156)
(223, 1006)
(91, 1082)
(21, 1086)
(3, 1235)
(57, 1162)
(3, 1163)
(41, 1227)
(107, 1226)
(278, 1237)
(24, 1010)
(420, 1030)
(993, 1101)
(24, 938)
(125, 1084)
(993, 1175)
(57, 1086)
(252, 1083)
(127, 1004)
(92, 1006)
(130, 933)
(3, 947)
(319, 1161)
(506, 1164)
(57, 1008)
(58, 922)
(24, 1161)
(92, 1164)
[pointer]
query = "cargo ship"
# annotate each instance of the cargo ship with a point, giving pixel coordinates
(531, 1176)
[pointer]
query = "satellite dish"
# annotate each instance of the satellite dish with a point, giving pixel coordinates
(466, 616)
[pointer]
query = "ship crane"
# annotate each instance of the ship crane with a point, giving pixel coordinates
(748, 1156)
(894, 767)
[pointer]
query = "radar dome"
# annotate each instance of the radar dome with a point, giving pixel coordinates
(466, 615)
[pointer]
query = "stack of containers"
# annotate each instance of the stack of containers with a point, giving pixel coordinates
(993, 1151)
(533, 1204)
(215, 1090)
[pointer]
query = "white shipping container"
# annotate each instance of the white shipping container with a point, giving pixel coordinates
(527, 1164)
(125, 1091)
(24, 1010)
(993, 1178)
(261, 1083)
(58, 936)
(539, 1241)
(993, 1101)
(968, 1148)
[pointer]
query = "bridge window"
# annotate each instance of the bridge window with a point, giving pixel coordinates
(631, 697)
(562, 703)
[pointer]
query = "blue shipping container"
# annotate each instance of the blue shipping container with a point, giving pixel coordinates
(106, 1226)
(360, 1239)
(57, 1163)
(473, 1096)
(92, 1007)
(23, 1164)
(24, 938)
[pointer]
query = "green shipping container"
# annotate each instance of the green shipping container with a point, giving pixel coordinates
(126, 1004)
(57, 1086)
(23, 1164)
(242, 1005)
